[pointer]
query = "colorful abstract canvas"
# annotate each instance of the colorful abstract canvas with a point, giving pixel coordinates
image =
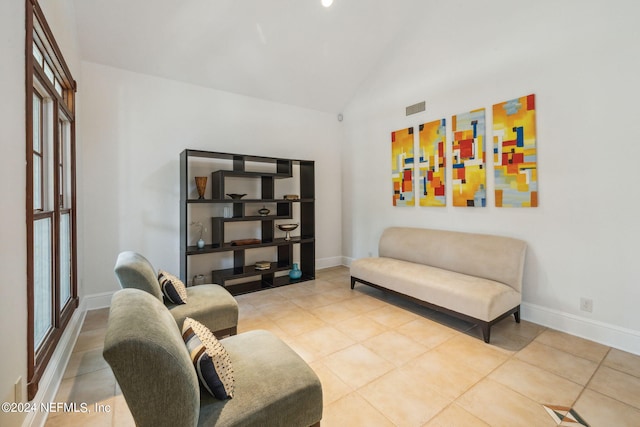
(402, 167)
(468, 159)
(431, 164)
(514, 153)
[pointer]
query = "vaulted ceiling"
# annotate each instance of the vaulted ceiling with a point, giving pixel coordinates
(290, 51)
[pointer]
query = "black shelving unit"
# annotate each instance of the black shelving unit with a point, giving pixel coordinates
(216, 241)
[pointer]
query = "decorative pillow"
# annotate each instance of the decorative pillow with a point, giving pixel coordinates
(211, 360)
(172, 287)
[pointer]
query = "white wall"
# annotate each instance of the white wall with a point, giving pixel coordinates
(580, 59)
(134, 127)
(13, 262)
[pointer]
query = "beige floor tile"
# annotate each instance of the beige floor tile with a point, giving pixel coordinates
(343, 292)
(394, 347)
(95, 319)
(325, 340)
(277, 310)
(499, 406)
(85, 361)
(403, 399)
(566, 365)
(360, 328)
(89, 388)
(353, 411)
(307, 353)
(536, 383)
(391, 316)
(297, 323)
(474, 353)
(90, 340)
(121, 415)
(455, 416)
(454, 363)
(333, 313)
(300, 290)
(427, 332)
(362, 304)
(315, 300)
(509, 335)
(86, 416)
(524, 329)
(254, 323)
(439, 372)
(357, 365)
(571, 344)
(599, 410)
(259, 299)
(623, 361)
(333, 388)
(618, 385)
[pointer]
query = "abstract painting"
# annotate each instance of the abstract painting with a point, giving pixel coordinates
(431, 163)
(514, 153)
(402, 167)
(468, 159)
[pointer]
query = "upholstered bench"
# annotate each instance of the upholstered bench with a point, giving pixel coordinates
(475, 277)
(212, 305)
(274, 387)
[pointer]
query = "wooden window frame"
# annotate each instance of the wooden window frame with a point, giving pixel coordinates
(39, 32)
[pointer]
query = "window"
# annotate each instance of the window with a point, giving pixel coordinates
(50, 204)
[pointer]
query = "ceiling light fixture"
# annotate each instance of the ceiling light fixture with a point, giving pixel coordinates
(327, 3)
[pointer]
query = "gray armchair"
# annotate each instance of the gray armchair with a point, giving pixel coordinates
(211, 305)
(274, 387)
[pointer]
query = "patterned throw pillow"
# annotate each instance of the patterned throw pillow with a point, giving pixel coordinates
(211, 360)
(172, 287)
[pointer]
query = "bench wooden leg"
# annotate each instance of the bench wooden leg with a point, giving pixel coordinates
(486, 332)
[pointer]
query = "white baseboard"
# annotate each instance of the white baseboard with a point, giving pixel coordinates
(328, 262)
(346, 261)
(600, 332)
(95, 301)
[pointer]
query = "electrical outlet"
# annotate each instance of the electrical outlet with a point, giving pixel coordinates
(586, 304)
(18, 390)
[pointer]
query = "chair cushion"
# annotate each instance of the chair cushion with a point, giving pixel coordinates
(211, 360)
(274, 386)
(172, 287)
(211, 305)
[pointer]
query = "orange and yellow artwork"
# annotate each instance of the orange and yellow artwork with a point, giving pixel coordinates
(514, 153)
(468, 159)
(431, 163)
(402, 167)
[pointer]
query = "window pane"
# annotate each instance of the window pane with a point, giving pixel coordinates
(48, 71)
(42, 280)
(58, 87)
(37, 182)
(37, 55)
(65, 259)
(37, 118)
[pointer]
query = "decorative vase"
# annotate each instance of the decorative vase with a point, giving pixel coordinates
(200, 244)
(201, 185)
(198, 279)
(295, 272)
(263, 211)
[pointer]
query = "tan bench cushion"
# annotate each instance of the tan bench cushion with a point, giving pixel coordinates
(476, 297)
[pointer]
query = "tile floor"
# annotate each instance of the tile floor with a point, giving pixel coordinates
(387, 362)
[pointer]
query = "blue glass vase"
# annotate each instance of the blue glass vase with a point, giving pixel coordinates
(295, 272)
